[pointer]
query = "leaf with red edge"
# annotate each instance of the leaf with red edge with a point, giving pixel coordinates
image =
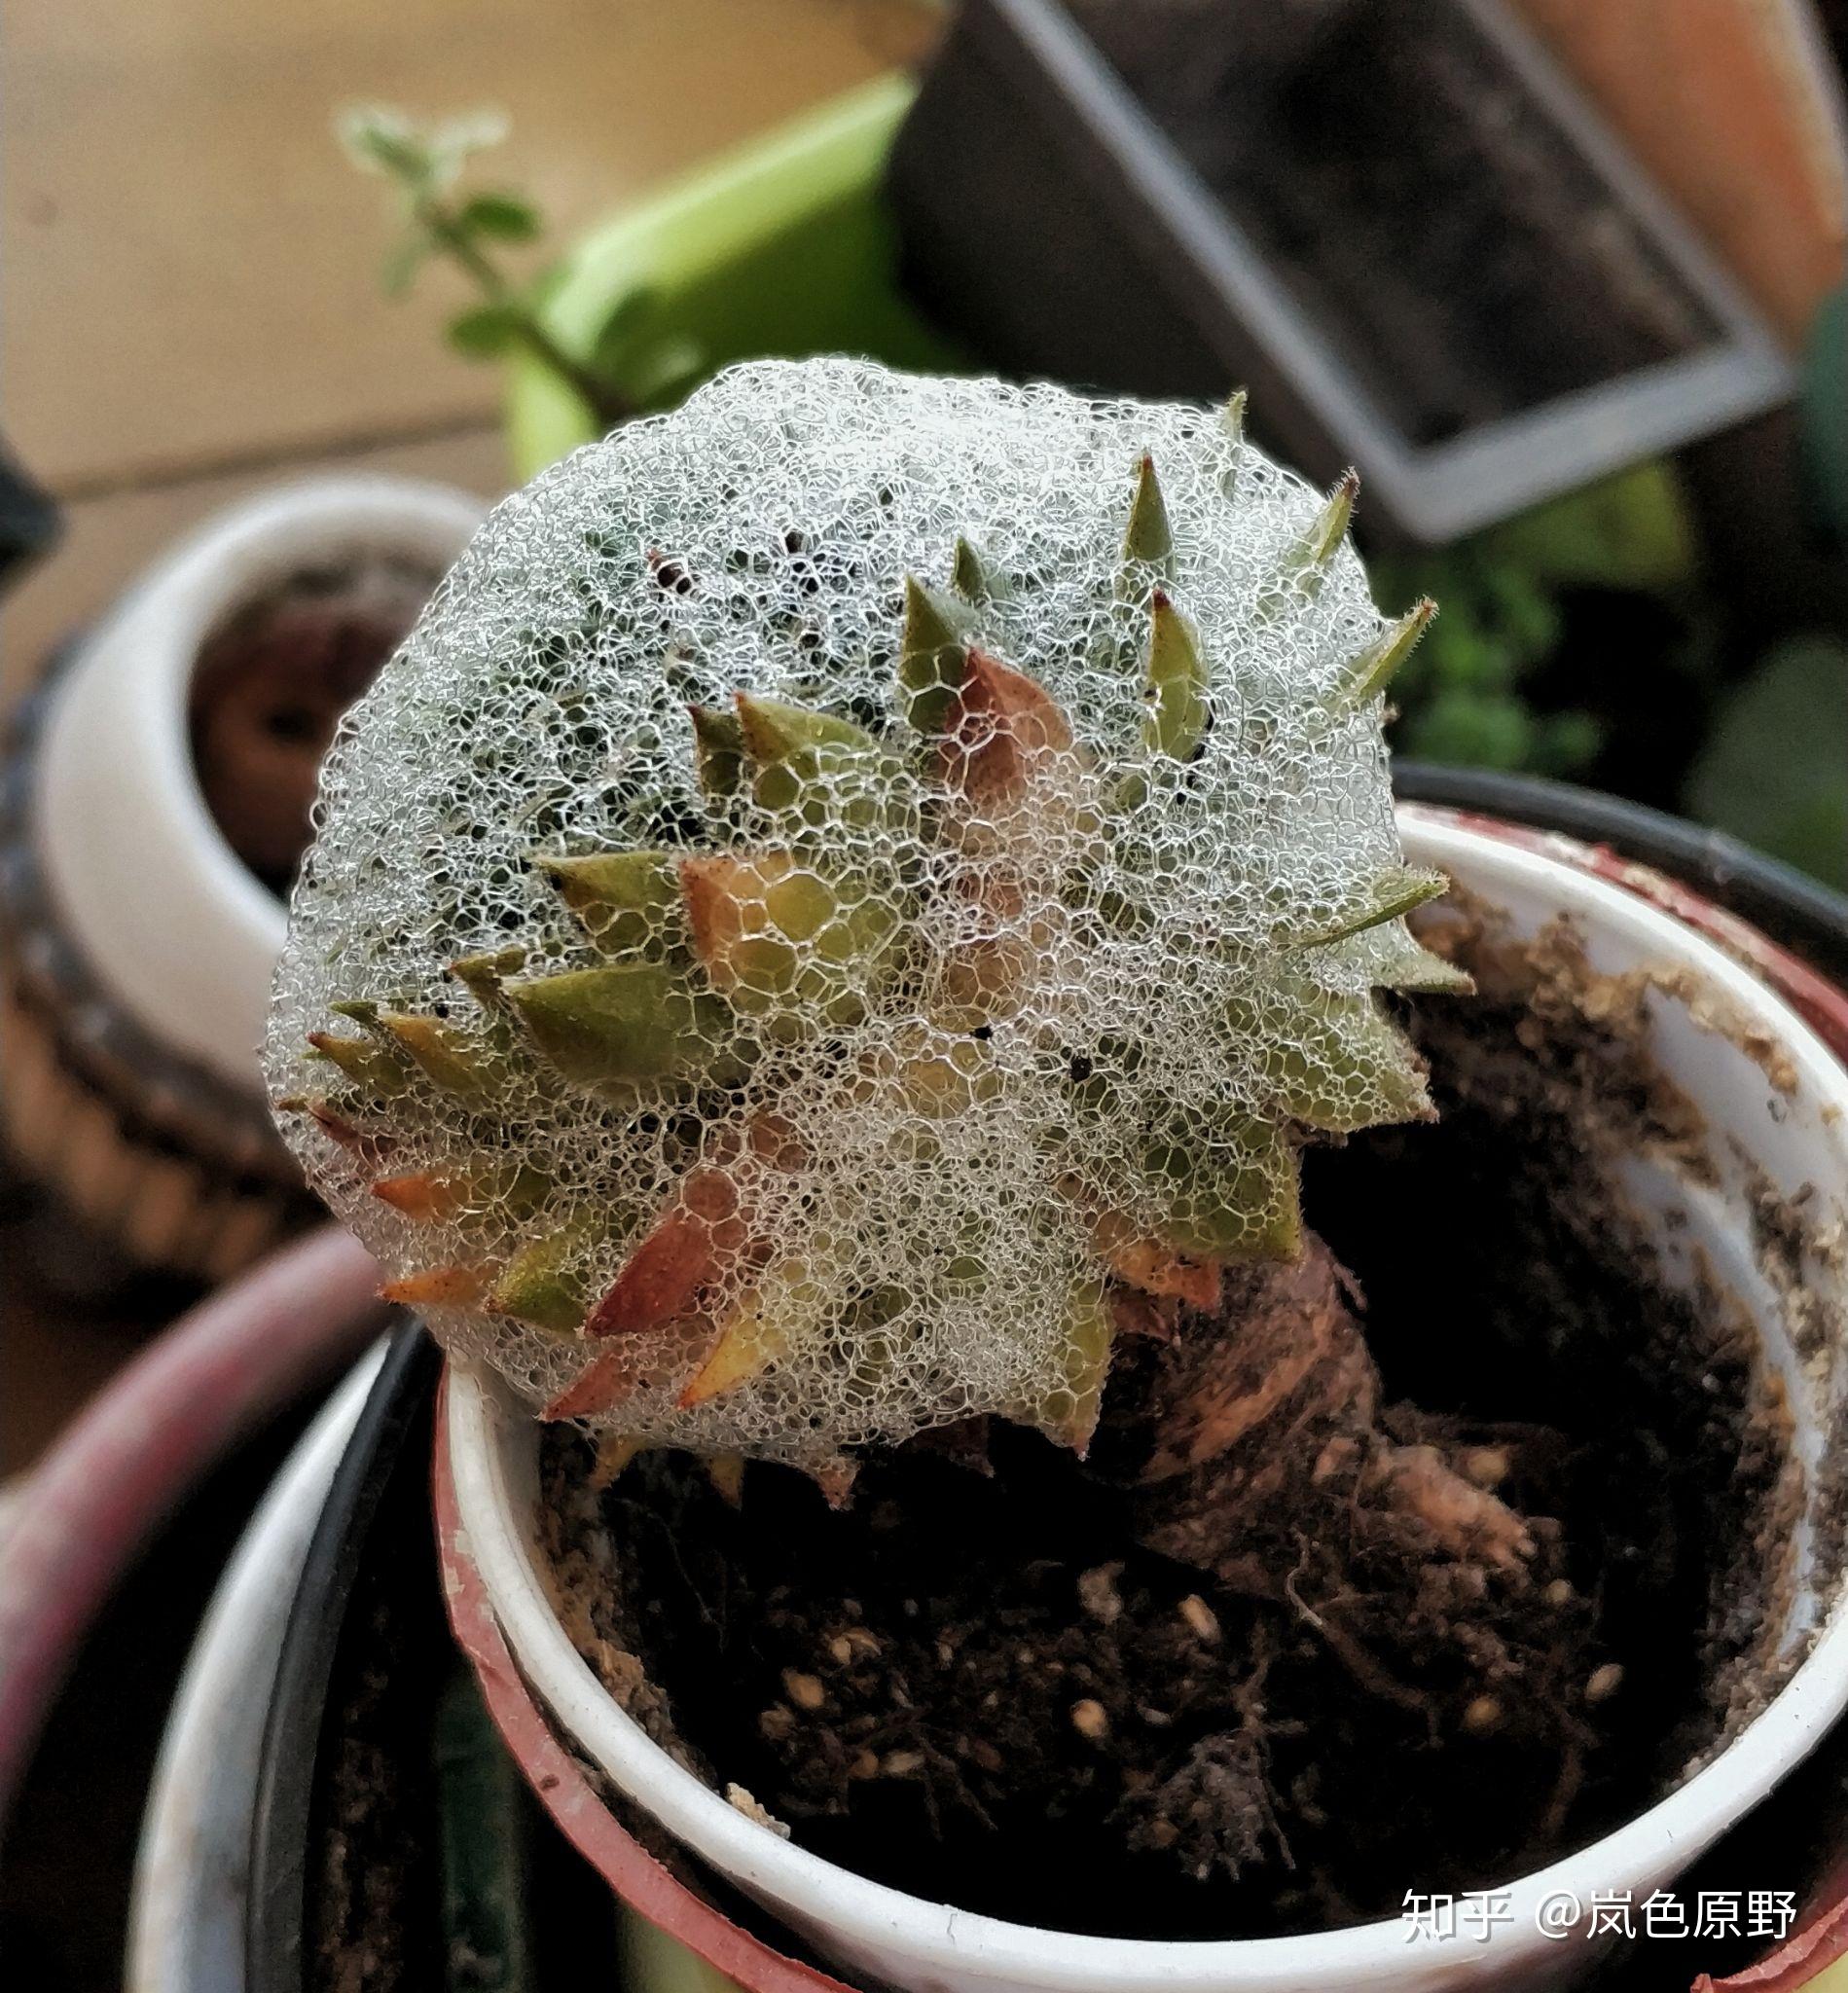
(1003, 728)
(622, 1369)
(338, 1128)
(688, 1247)
(439, 1286)
(421, 1197)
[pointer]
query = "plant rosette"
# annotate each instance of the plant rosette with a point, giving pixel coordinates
(1712, 1038)
(139, 940)
(860, 963)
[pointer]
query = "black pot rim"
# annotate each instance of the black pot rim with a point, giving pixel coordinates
(275, 1906)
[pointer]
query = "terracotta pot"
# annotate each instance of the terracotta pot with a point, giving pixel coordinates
(1630, 918)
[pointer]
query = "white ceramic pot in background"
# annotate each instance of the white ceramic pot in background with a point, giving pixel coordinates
(1793, 1138)
(140, 945)
(180, 932)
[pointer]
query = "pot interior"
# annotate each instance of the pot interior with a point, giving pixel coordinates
(273, 677)
(1748, 1207)
(1735, 1196)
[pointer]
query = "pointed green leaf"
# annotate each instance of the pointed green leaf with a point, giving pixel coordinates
(1366, 677)
(374, 1068)
(932, 655)
(1232, 1194)
(1232, 418)
(1178, 713)
(1393, 896)
(1306, 561)
(625, 1024)
(1336, 1062)
(548, 1284)
(1066, 1411)
(718, 752)
(628, 903)
(1332, 522)
(773, 730)
(448, 1056)
(482, 975)
(968, 572)
(1232, 423)
(1417, 970)
(819, 772)
(1148, 537)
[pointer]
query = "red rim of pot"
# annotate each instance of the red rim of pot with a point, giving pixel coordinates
(654, 1893)
(87, 1507)
(580, 1812)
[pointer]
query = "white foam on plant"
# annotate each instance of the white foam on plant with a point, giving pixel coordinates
(756, 540)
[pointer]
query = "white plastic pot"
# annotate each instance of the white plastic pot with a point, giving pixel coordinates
(1793, 1138)
(139, 946)
(186, 1918)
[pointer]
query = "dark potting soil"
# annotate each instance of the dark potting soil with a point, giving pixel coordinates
(1398, 180)
(268, 690)
(1061, 1694)
(374, 1880)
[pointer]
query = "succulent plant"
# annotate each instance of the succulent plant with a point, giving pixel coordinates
(849, 887)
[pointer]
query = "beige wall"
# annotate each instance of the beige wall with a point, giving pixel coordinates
(188, 304)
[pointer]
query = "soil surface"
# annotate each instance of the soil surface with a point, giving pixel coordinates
(1325, 1616)
(1401, 182)
(268, 690)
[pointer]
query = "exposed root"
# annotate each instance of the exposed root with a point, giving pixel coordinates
(1463, 1521)
(1267, 1433)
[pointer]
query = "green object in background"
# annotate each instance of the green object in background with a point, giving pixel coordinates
(654, 1963)
(1630, 531)
(1464, 696)
(782, 247)
(1775, 768)
(480, 1803)
(1824, 413)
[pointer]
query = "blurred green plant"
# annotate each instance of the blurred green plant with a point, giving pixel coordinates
(1468, 696)
(1775, 767)
(1461, 694)
(440, 222)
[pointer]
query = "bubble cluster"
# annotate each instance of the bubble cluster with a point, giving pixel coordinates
(843, 883)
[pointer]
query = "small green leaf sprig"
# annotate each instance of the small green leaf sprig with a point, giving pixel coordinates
(469, 230)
